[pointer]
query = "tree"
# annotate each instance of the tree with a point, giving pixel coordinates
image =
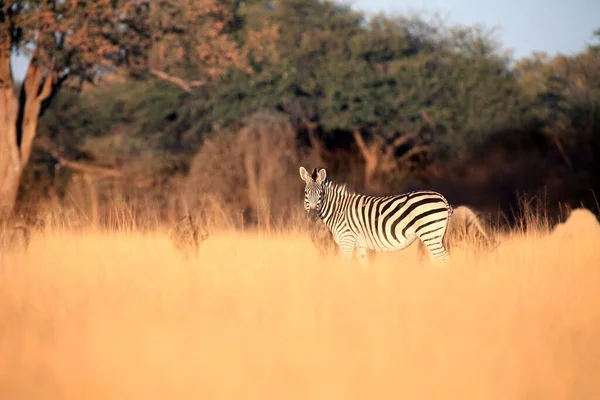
(64, 40)
(564, 96)
(292, 75)
(189, 43)
(80, 41)
(381, 157)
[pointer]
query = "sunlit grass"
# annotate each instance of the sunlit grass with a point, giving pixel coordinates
(256, 316)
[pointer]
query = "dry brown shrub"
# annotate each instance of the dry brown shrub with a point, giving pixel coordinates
(188, 234)
(581, 222)
(251, 173)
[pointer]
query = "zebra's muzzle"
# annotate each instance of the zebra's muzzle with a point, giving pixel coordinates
(312, 213)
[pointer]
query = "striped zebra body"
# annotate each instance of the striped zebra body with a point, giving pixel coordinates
(384, 223)
(322, 238)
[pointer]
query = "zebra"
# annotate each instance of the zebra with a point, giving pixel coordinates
(384, 223)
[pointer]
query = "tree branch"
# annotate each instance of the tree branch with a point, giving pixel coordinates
(369, 152)
(415, 150)
(314, 142)
(57, 83)
(76, 165)
(47, 87)
(372, 154)
(402, 139)
(186, 86)
(426, 117)
(33, 78)
(561, 150)
(89, 169)
(30, 100)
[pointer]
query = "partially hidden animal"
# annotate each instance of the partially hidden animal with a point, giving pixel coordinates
(322, 238)
(14, 238)
(381, 223)
(466, 230)
(187, 235)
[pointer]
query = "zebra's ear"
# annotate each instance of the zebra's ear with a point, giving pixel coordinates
(304, 174)
(321, 176)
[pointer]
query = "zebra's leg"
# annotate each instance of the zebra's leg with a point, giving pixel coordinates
(438, 253)
(436, 248)
(347, 248)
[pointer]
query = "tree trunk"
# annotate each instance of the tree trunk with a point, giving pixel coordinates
(10, 176)
(370, 170)
(18, 124)
(11, 167)
(372, 154)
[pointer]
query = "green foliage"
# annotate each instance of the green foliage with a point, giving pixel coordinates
(564, 94)
(344, 71)
(143, 129)
(333, 66)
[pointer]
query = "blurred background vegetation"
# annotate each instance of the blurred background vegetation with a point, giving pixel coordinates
(385, 103)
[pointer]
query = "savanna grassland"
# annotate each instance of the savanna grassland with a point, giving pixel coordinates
(113, 127)
(122, 315)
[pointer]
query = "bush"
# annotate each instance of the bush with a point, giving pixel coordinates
(251, 174)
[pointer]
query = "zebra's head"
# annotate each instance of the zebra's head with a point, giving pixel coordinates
(314, 190)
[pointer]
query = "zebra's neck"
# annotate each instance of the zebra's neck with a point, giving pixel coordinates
(335, 199)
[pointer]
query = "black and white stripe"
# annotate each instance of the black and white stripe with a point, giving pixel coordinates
(386, 223)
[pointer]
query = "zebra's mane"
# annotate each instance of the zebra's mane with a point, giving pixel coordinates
(339, 188)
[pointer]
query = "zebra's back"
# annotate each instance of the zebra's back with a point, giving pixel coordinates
(392, 223)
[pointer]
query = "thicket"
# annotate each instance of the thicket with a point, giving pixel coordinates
(386, 103)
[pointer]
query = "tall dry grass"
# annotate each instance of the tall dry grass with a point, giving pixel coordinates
(122, 315)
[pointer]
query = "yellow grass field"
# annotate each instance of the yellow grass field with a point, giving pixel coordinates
(124, 316)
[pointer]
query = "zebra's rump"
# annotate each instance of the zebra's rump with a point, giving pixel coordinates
(467, 230)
